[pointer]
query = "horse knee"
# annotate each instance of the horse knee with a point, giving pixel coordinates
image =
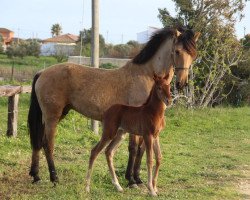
(108, 153)
(158, 160)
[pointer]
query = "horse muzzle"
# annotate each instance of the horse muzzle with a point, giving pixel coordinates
(180, 85)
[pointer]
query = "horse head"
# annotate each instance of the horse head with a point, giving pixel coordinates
(183, 54)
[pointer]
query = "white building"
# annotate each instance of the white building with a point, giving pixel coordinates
(62, 44)
(144, 36)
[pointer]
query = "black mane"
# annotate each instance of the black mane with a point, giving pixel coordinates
(153, 45)
(150, 49)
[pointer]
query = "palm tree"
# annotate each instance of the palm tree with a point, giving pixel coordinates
(56, 30)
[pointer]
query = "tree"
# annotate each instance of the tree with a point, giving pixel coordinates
(56, 30)
(219, 49)
(85, 39)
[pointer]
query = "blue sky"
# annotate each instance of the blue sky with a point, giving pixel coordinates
(119, 20)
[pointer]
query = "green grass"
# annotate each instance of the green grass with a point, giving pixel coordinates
(24, 68)
(204, 154)
(28, 61)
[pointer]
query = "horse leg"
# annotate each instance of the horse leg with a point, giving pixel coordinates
(110, 151)
(137, 166)
(132, 148)
(48, 146)
(94, 153)
(148, 139)
(34, 170)
(158, 158)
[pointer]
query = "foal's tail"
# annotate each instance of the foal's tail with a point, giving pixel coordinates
(35, 124)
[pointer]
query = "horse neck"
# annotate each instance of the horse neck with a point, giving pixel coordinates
(154, 103)
(162, 62)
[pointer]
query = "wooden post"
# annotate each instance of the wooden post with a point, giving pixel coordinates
(12, 115)
(95, 47)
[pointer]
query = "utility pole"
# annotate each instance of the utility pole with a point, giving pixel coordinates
(95, 48)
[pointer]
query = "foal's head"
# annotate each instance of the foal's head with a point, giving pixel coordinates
(162, 89)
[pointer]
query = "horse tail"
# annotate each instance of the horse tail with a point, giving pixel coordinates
(35, 123)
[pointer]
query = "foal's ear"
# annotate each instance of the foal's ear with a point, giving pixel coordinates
(196, 36)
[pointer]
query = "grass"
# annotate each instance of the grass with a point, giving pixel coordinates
(24, 68)
(204, 153)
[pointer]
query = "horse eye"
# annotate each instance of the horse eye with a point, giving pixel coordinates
(177, 52)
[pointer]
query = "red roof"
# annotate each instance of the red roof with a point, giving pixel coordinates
(5, 30)
(67, 38)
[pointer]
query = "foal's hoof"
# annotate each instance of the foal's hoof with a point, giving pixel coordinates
(153, 194)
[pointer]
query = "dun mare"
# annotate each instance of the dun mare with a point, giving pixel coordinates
(91, 91)
(146, 121)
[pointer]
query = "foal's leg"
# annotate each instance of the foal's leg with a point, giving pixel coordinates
(110, 151)
(148, 139)
(94, 153)
(49, 140)
(137, 166)
(158, 158)
(133, 148)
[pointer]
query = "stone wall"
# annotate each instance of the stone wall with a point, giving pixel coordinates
(119, 62)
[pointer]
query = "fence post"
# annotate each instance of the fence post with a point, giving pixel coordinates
(12, 115)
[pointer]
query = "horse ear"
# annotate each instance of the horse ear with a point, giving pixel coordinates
(155, 77)
(196, 36)
(166, 76)
(177, 33)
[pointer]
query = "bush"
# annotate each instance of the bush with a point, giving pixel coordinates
(24, 48)
(108, 66)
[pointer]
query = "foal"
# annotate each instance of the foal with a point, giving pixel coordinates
(146, 121)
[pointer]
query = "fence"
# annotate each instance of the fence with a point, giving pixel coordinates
(12, 92)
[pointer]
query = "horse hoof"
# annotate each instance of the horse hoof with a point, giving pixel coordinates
(153, 194)
(36, 179)
(134, 185)
(87, 189)
(120, 189)
(138, 181)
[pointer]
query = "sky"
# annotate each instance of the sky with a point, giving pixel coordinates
(120, 20)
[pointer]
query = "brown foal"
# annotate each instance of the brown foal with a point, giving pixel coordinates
(146, 121)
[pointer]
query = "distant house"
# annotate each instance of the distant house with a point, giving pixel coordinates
(7, 36)
(62, 44)
(144, 36)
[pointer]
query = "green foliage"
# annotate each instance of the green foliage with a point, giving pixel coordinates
(200, 160)
(108, 66)
(218, 47)
(128, 50)
(56, 30)
(85, 39)
(24, 48)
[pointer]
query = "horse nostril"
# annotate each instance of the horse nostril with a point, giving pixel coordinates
(178, 85)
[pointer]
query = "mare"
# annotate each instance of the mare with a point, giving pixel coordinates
(146, 121)
(91, 91)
